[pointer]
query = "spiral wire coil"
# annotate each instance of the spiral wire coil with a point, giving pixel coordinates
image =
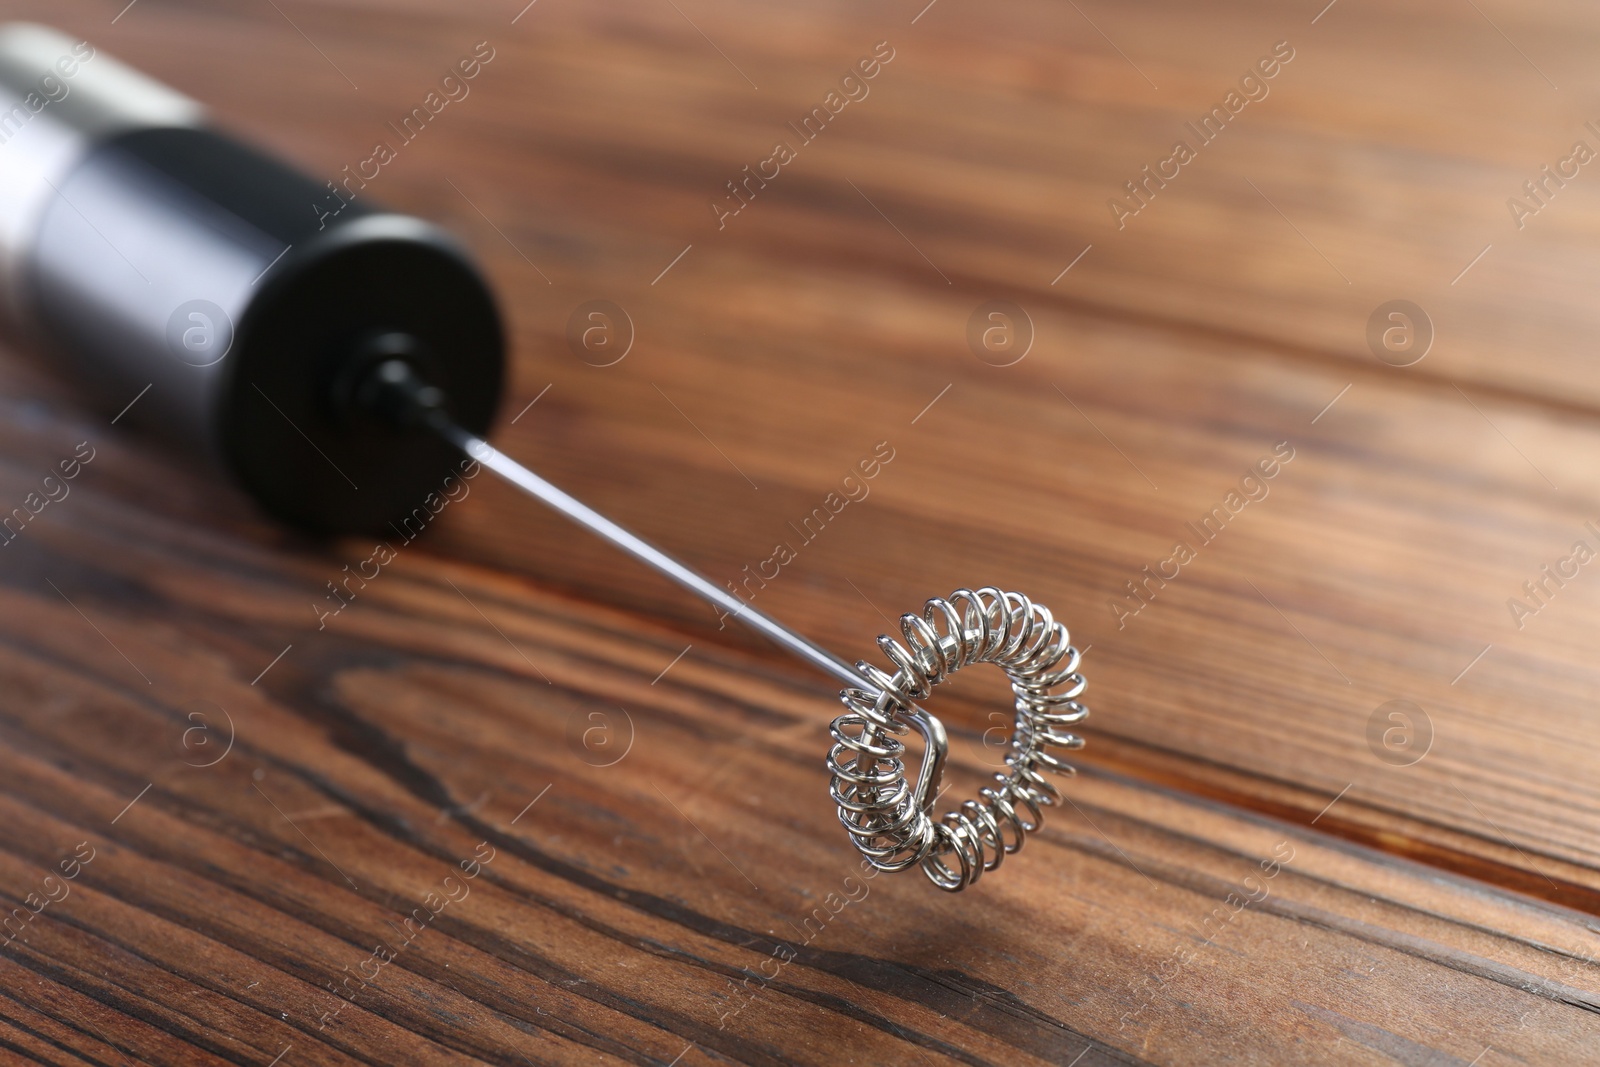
(888, 819)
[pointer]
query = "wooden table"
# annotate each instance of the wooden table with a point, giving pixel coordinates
(1423, 889)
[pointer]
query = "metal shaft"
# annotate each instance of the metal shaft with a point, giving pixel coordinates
(582, 514)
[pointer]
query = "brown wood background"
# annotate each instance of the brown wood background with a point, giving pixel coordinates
(1438, 913)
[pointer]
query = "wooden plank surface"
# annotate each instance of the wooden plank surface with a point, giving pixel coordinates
(676, 888)
(1224, 323)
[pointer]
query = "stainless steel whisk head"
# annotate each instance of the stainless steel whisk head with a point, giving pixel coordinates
(890, 821)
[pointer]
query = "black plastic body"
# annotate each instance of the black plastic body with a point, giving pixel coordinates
(155, 227)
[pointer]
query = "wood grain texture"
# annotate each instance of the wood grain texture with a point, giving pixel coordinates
(1435, 911)
(635, 912)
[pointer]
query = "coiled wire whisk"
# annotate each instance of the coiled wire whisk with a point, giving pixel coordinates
(889, 820)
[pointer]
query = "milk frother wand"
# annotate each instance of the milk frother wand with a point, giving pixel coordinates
(150, 254)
